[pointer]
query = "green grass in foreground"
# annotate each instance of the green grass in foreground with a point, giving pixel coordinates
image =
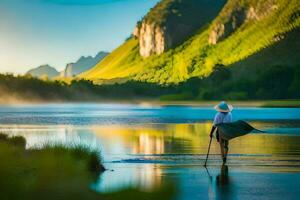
(55, 172)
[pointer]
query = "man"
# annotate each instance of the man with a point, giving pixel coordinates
(223, 116)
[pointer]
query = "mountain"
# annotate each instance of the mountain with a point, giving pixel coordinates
(42, 71)
(171, 22)
(178, 39)
(82, 64)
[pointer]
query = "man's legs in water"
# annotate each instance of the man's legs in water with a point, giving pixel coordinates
(224, 149)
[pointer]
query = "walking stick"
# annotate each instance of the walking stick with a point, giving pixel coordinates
(208, 152)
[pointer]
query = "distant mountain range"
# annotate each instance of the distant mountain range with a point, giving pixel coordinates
(178, 40)
(43, 71)
(71, 70)
(82, 64)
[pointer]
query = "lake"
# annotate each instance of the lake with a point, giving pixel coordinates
(146, 146)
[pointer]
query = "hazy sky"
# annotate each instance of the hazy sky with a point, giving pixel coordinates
(56, 32)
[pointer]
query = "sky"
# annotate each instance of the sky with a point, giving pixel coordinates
(57, 32)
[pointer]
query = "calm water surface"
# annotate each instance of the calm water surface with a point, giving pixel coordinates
(147, 146)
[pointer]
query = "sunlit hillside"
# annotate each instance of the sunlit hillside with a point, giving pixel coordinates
(241, 29)
(120, 63)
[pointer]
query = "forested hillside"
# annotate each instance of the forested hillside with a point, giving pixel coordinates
(240, 30)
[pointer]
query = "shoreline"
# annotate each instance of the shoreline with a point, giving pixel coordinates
(150, 102)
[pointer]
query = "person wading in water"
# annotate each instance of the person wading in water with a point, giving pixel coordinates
(223, 116)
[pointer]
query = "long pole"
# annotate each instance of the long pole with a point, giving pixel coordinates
(208, 152)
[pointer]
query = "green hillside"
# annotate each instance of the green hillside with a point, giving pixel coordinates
(120, 63)
(272, 73)
(242, 28)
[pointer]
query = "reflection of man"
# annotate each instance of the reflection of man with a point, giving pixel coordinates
(219, 187)
(222, 178)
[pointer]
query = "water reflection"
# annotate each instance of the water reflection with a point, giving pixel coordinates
(146, 177)
(148, 145)
(38, 136)
(139, 154)
(220, 185)
(120, 142)
(95, 114)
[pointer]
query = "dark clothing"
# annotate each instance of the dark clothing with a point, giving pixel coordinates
(228, 131)
(221, 140)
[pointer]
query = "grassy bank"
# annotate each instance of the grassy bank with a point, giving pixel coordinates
(282, 103)
(55, 172)
(262, 103)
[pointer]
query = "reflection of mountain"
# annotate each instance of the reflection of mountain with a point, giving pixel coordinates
(121, 142)
(82, 64)
(43, 71)
(188, 139)
(155, 139)
(149, 145)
